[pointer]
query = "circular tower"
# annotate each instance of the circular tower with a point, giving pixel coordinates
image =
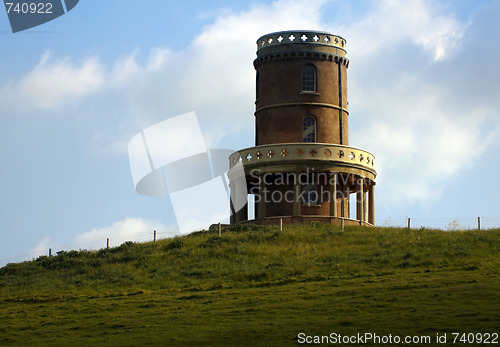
(301, 168)
(299, 74)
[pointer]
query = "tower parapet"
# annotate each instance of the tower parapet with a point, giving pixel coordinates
(315, 41)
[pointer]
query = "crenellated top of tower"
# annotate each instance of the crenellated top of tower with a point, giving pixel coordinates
(295, 43)
(286, 40)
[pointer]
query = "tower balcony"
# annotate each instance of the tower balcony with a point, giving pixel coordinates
(289, 157)
(335, 172)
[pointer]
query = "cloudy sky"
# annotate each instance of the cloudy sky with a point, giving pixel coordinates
(423, 97)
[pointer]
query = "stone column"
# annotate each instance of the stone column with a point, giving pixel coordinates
(241, 196)
(365, 206)
(297, 203)
(262, 194)
(333, 194)
(359, 199)
(371, 203)
(343, 207)
(232, 218)
(242, 214)
(238, 194)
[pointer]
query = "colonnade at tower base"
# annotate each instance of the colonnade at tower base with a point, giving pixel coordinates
(278, 175)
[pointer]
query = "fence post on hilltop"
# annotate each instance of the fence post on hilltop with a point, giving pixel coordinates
(342, 224)
(154, 236)
(478, 223)
(50, 252)
(220, 227)
(281, 224)
(107, 242)
(409, 223)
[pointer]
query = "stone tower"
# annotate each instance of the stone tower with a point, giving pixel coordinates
(302, 168)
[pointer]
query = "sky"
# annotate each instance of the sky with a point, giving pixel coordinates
(423, 91)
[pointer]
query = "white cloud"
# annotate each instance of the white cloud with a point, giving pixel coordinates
(125, 70)
(200, 206)
(129, 229)
(42, 247)
(52, 85)
(392, 22)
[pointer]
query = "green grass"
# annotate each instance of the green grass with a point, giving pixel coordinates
(257, 286)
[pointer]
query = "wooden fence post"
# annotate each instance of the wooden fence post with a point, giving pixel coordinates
(409, 223)
(281, 224)
(478, 223)
(107, 242)
(154, 236)
(342, 224)
(50, 252)
(220, 229)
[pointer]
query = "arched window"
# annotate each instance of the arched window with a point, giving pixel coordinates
(309, 129)
(309, 78)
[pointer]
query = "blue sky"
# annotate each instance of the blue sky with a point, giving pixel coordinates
(423, 97)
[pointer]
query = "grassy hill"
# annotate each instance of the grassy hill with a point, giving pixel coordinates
(257, 286)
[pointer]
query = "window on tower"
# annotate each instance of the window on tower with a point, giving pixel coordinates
(309, 129)
(309, 78)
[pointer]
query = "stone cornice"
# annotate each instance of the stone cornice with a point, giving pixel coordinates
(301, 104)
(321, 56)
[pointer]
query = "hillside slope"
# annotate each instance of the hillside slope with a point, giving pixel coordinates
(257, 286)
